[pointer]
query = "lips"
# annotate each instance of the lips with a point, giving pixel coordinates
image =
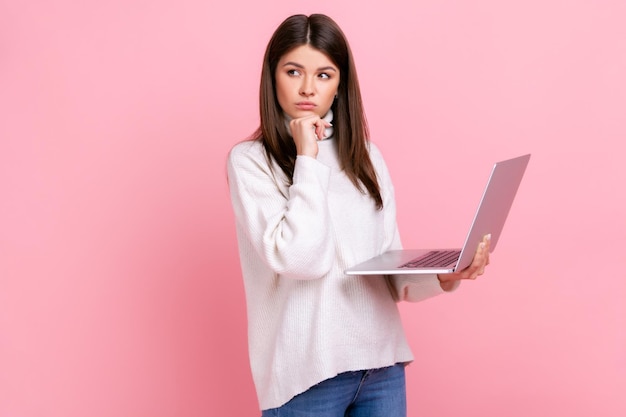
(305, 105)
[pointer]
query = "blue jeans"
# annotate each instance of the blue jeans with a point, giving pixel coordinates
(371, 393)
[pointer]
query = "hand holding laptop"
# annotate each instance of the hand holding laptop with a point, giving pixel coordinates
(473, 271)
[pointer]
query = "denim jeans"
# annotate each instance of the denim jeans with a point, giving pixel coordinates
(370, 393)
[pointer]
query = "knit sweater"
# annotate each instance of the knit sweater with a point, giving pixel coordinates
(307, 320)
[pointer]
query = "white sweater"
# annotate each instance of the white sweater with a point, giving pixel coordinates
(307, 320)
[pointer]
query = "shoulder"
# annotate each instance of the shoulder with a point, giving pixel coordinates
(246, 149)
(248, 152)
(248, 162)
(376, 157)
(374, 150)
(247, 158)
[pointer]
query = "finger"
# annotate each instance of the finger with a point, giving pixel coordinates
(479, 256)
(478, 272)
(304, 124)
(487, 241)
(320, 129)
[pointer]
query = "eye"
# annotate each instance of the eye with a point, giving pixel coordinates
(293, 72)
(324, 76)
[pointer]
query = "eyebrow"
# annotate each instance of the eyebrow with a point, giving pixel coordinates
(295, 64)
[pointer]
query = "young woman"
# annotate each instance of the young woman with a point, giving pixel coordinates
(312, 196)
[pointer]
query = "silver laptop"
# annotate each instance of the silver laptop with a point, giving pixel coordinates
(490, 216)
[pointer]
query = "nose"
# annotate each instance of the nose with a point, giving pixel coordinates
(307, 88)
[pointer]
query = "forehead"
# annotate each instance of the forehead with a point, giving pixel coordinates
(307, 56)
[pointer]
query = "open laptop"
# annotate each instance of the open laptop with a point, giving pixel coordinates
(490, 216)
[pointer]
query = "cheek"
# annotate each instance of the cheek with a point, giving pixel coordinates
(329, 93)
(333, 88)
(281, 95)
(283, 89)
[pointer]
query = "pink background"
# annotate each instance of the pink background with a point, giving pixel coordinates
(120, 289)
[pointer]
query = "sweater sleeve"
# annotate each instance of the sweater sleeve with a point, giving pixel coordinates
(414, 288)
(411, 288)
(288, 226)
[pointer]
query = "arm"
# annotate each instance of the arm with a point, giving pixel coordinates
(288, 226)
(412, 288)
(415, 288)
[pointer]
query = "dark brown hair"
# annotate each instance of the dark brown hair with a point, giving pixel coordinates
(350, 126)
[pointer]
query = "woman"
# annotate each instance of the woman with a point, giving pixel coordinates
(312, 197)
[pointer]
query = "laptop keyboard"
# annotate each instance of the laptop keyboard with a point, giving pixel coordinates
(435, 258)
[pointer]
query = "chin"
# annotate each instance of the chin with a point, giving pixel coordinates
(302, 113)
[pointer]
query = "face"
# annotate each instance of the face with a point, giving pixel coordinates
(306, 82)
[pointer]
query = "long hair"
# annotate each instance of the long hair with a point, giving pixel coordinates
(350, 126)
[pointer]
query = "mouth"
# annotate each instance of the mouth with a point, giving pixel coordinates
(305, 105)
